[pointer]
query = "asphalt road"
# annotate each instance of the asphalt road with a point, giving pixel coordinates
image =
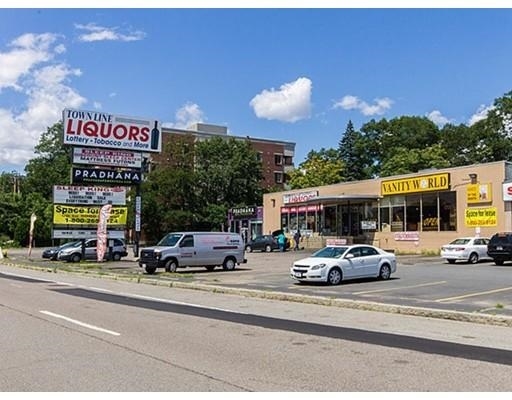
(420, 282)
(65, 332)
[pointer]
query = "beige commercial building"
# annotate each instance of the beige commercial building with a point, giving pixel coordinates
(415, 213)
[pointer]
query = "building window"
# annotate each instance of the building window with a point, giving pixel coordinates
(259, 156)
(278, 177)
(278, 159)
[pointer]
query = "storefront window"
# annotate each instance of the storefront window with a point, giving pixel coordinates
(412, 216)
(284, 222)
(384, 210)
(330, 220)
(448, 211)
(397, 213)
(430, 215)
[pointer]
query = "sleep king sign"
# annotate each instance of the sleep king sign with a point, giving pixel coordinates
(97, 129)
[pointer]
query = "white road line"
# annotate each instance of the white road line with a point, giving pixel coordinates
(74, 321)
(402, 287)
(474, 294)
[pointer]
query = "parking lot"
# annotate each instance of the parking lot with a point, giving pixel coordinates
(427, 282)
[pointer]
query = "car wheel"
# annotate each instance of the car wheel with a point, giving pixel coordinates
(334, 276)
(150, 270)
(210, 267)
(451, 261)
(171, 265)
(116, 257)
(268, 248)
(76, 258)
(499, 261)
(248, 249)
(229, 264)
(473, 258)
(385, 272)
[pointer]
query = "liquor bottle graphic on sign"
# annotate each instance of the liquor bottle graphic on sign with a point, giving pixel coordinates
(155, 135)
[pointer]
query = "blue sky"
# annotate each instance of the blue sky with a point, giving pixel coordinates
(286, 74)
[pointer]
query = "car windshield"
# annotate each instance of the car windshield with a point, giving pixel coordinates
(330, 252)
(461, 241)
(70, 244)
(170, 239)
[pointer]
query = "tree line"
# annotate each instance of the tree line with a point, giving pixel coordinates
(195, 183)
(408, 144)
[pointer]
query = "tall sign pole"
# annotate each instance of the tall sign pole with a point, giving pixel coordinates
(138, 208)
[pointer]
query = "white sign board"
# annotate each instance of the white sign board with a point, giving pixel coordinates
(98, 129)
(114, 158)
(93, 195)
(299, 197)
(84, 234)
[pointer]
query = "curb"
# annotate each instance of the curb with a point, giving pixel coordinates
(461, 316)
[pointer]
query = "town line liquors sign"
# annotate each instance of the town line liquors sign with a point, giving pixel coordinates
(97, 129)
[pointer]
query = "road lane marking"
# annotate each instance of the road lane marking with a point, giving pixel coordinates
(74, 321)
(402, 287)
(473, 294)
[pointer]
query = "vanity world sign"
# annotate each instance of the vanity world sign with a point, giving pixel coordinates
(425, 183)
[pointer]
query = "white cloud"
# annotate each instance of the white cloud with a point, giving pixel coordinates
(437, 118)
(187, 115)
(380, 106)
(95, 33)
(290, 103)
(44, 85)
(27, 51)
(480, 114)
(97, 105)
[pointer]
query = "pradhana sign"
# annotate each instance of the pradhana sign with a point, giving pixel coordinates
(98, 129)
(98, 175)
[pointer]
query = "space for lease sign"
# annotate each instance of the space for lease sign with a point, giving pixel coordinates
(85, 215)
(98, 129)
(89, 195)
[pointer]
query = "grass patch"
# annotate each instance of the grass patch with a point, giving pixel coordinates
(500, 306)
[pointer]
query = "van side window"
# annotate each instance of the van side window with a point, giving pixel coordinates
(188, 241)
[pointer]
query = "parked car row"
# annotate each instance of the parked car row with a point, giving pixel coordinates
(474, 249)
(72, 251)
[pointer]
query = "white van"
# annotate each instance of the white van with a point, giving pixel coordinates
(194, 249)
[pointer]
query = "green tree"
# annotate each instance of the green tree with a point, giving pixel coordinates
(51, 166)
(320, 168)
(405, 161)
(168, 194)
(228, 175)
(353, 154)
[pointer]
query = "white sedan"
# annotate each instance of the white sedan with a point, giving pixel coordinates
(336, 263)
(469, 249)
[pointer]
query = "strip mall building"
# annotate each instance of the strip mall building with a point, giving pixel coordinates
(407, 213)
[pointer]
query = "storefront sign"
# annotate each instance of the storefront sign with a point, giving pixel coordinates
(507, 191)
(407, 236)
(479, 193)
(481, 217)
(89, 195)
(312, 208)
(299, 197)
(113, 158)
(84, 234)
(96, 175)
(244, 212)
(86, 215)
(97, 129)
(424, 183)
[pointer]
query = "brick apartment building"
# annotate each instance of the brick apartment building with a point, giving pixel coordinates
(276, 155)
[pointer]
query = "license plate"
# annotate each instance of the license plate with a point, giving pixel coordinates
(299, 274)
(499, 248)
(143, 265)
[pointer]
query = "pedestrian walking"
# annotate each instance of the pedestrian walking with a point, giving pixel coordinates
(281, 241)
(296, 238)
